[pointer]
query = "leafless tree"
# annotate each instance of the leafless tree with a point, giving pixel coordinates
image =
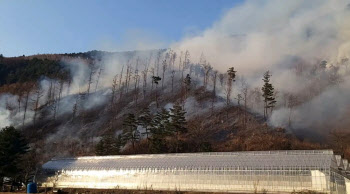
(292, 102)
(244, 89)
(92, 69)
(38, 93)
(159, 56)
(172, 80)
(136, 82)
(114, 90)
(207, 68)
(221, 79)
(75, 108)
(27, 93)
(214, 78)
(120, 83)
(98, 77)
(164, 68)
(152, 72)
(185, 63)
(180, 61)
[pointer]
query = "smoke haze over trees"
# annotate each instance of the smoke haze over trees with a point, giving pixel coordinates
(268, 75)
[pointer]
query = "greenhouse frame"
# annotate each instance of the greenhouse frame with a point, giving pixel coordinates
(235, 172)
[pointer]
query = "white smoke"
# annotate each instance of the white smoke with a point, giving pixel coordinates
(257, 36)
(260, 35)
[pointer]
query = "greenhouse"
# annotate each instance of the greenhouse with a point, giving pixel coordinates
(258, 171)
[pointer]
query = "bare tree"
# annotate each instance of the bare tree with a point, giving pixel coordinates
(244, 89)
(292, 102)
(38, 93)
(60, 91)
(27, 92)
(120, 83)
(164, 68)
(180, 61)
(185, 63)
(172, 61)
(128, 69)
(136, 82)
(214, 78)
(75, 108)
(49, 94)
(98, 77)
(207, 68)
(92, 69)
(172, 80)
(69, 85)
(114, 89)
(187, 82)
(239, 98)
(152, 72)
(159, 55)
(221, 79)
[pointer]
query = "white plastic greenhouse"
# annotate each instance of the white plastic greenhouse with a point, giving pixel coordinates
(261, 171)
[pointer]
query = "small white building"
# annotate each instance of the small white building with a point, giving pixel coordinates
(260, 171)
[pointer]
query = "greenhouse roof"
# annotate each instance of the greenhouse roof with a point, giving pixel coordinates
(210, 160)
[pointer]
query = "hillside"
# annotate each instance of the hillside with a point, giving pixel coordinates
(100, 103)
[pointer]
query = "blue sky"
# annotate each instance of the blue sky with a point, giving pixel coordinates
(60, 26)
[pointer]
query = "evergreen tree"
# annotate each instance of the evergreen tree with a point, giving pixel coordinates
(160, 128)
(155, 80)
(145, 120)
(231, 75)
(268, 93)
(109, 145)
(130, 131)
(178, 122)
(13, 146)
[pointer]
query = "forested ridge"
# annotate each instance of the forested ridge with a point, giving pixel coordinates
(145, 102)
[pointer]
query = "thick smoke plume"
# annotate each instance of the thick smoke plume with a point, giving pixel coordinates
(289, 38)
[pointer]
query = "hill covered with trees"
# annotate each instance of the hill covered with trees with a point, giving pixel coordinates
(157, 101)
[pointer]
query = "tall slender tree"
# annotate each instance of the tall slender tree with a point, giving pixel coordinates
(130, 131)
(155, 80)
(38, 93)
(268, 94)
(231, 75)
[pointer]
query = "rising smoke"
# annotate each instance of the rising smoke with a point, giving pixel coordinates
(289, 38)
(281, 36)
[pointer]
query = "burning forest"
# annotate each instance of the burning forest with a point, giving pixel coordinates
(278, 82)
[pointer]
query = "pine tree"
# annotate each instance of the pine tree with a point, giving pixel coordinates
(268, 93)
(12, 148)
(145, 120)
(231, 75)
(160, 128)
(130, 131)
(155, 80)
(109, 145)
(178, 122)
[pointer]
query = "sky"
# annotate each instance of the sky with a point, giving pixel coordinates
(64, 26)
